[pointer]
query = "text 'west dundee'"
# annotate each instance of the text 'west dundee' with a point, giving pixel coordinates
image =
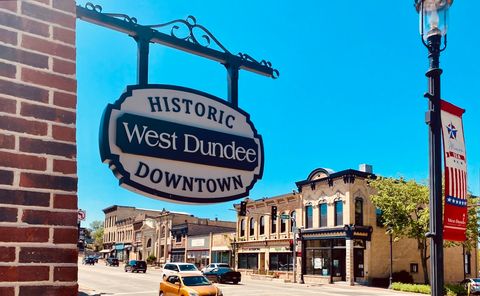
(179, 144)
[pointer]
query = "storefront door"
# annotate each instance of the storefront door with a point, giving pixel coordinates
(358, 263)
(338, 256)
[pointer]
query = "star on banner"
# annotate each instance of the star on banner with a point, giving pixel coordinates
(452, 131)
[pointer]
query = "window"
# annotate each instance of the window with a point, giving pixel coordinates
(323, 215)
(281, 261)
(308, 217)
(252, 227)
(262, 225)
(358, 211)
(248, 261)
(178, 238)
(467, 263)
(413, 267)
(274, 226)
(379, 217)
(149, 243)
(283, 225)
(162, 233)
(293, 217)
(338, 213)
(242, 228)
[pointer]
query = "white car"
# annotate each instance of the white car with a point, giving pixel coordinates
(174, 268)
(212, 266)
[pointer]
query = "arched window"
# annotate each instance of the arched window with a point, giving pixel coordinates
(162, 232)
(323, 215)
(293, 220)
(338, 213)
(149, 243)
(358, 211)
(252, 227)
(262, 225)
(242, 228)
(283, 225)
(308, 216)
(273, 227)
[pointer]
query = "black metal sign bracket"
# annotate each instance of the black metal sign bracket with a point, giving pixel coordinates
(184, 35)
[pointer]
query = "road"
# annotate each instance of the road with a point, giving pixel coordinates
(105, 280)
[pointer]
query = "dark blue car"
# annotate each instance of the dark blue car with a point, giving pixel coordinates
(223, 275)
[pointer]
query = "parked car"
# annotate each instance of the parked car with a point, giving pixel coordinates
(223, 275)
(174, 268)
(213, 266)
(474, 285)
(188, 284)
(89, 260)
(111, 261)
(136, 266)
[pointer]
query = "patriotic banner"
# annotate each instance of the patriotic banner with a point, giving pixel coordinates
(455, 212)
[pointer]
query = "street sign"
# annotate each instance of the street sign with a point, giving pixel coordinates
(285, 216)
(178, 144)
(81, 215)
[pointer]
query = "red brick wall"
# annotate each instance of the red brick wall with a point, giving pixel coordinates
(38, 166)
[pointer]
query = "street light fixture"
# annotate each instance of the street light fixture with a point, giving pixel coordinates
(433, 26)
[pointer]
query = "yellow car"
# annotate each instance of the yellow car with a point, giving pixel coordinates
(188, 284)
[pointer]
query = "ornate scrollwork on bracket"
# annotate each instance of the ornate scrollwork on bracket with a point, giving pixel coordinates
(265, 63)
(98, 8)
(190, 23)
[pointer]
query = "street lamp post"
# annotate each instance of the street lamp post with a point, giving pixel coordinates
(433, 27)
(391, 258)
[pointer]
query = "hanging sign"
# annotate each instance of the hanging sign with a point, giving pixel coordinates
(179, 144)
(455, 212)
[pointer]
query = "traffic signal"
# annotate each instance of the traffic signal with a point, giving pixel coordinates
(243, 208)
(291, 245)
(274, 212)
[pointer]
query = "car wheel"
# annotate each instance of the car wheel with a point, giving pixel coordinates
(160, 293)
(219, 279)
(144, 271)
(235, 282)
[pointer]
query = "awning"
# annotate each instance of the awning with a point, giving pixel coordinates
(106, 251)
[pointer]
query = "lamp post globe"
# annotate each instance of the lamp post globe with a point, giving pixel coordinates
(433, 18)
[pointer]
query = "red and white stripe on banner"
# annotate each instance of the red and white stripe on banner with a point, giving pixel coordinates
(455, 212)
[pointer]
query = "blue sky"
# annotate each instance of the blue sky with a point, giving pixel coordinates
(350, 89)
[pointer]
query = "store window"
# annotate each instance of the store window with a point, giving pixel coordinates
(242, 228)
(358, 211)
(308, 216)
(262, 225)
(323, 215)
(248, 261)
(281, 261)
(252, 227)
(379, 217)
(338, 213)
(318, 257)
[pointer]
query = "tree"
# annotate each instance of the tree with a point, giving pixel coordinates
(96, 231)
(405, 213)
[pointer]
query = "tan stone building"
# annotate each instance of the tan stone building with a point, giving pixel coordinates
(264, 244)
(340, 237)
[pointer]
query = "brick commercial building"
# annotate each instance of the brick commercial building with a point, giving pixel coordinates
(38, 171)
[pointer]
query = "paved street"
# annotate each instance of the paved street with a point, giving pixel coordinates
(104, 280)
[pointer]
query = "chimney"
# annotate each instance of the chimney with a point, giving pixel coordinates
(367, 168)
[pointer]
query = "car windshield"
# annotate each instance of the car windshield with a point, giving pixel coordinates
(188, 267)
(195, 281)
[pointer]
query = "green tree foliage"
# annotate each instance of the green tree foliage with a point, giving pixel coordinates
(96, 232)
(405, 213)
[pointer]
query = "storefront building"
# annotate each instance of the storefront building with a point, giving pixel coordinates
(264, 245)
(337, 233)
